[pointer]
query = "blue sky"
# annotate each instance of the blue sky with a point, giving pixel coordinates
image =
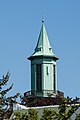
(20, 24)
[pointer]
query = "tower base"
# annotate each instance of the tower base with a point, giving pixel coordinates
(34, 101)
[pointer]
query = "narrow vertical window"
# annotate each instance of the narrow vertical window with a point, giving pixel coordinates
(39, 77)
(47, 70)
(54, 76)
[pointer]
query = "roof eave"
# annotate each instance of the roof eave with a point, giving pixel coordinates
(43, 56)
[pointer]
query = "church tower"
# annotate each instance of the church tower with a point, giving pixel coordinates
(43, 67)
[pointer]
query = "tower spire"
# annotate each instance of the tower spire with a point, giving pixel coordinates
(43, 46)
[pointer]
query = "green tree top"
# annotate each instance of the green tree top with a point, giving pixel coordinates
(6, 103)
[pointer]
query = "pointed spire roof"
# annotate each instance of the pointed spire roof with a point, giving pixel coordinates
(43, 47)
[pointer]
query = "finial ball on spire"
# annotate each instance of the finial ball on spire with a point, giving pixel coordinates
(42, 20)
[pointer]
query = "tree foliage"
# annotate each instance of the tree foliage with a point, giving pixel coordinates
(49, 115)
(66, 108)
(31, 115)
(6, 103)
(77, 117)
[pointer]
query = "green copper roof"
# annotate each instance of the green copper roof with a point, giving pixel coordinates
(43, 47)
